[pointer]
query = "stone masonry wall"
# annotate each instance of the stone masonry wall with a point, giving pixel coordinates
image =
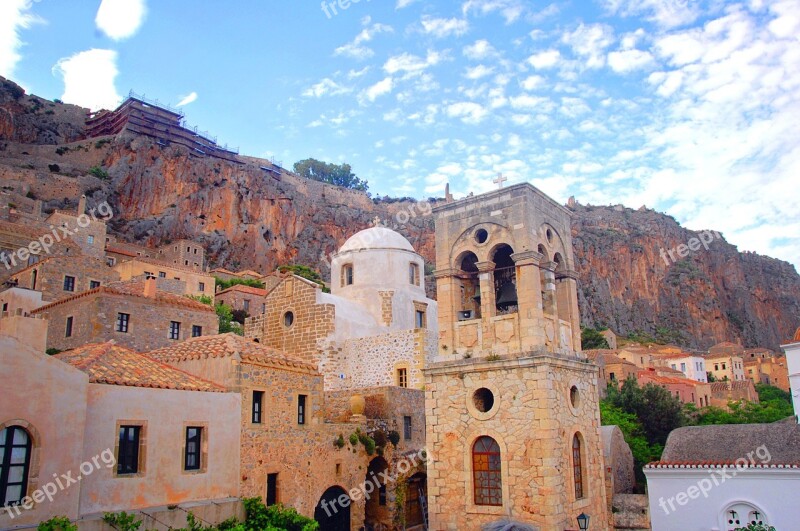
(50, 275)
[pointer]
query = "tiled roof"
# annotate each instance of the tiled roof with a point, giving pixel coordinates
(249, 272)
(245, 289)
(119, 250)
(222, 270)
(728, 384)
(679, 355)
(656, 378)
(107, 363)
(227, 345)
(134, 288)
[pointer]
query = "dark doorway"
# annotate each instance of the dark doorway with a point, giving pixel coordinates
(376, 511)
(330, 513)
(416, 501)
(272, 489)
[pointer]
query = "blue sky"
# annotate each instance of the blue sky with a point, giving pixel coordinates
(684, 106)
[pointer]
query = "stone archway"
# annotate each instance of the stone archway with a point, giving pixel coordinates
(330, 513)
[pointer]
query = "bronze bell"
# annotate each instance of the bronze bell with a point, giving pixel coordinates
(508, 296)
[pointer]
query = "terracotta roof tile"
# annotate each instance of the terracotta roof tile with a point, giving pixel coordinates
(119, 250)
(107, 363)
(133, 288)
(227, 345)
(260, 292)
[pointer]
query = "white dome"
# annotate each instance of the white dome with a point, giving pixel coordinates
(376, 238)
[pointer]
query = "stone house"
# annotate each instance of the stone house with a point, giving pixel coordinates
(511, 404)
(725, 361)
(612, 369)
(244, 298)
(181, 253)
(376, 328)
(726, 477)
(226, 274)
(732, 391)
(686, 390)
(196, 282)
(86, 230)
(693, 366)
(137, 314)
(59, 277)
(289, 426)
(139, 434)
(769, 369)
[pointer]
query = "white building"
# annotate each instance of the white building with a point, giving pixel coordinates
(691, 365)
(792, 351)
(720, 478)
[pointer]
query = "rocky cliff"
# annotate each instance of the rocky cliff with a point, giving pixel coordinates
(251, 218)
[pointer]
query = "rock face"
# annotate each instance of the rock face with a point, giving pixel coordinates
(247, 218)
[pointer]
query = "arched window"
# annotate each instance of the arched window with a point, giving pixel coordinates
(486, 472)
(15, 461)
(577, 466)
(347, 275)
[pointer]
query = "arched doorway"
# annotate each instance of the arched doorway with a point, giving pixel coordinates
(329, 511)
(417, 488)
(376, 510)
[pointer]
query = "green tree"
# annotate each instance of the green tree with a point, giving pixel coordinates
(221, 284)
(226, 322)
(591, 339)
(643, 452)
(657, 410)
(326, 172)
(305, 272)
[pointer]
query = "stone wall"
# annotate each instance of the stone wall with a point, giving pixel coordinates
(193, 280)
(533, 421)
(88, 234)
(95, 315)
(50, 274)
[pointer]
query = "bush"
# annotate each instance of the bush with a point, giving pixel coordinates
(122, 521)
(592, 339)
(98, 172)
(339, 441)
(275, 518)
(222, 284)
(394, 437)
(54, 168)
(58, 523)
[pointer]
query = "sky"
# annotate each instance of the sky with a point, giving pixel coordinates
(685, 106)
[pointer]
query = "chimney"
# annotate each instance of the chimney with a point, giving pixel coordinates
(150, 288)
(82, 205)
(37, 209)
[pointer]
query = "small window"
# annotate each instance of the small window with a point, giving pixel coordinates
(577, 467)
(201, 286)
(195, 251)
(301, 409)
(90, 239)
(272, 489)
(612, 376)
(197, 330)
(122, 322)
(419, 320)
(186, 262)
(723, 367)
(486, 470)
(194, 437)
(174, 330)
(258, 404)
(94, 284)
(402, 377)
(188, 249)
(347, 275)
(246, 305)
(162, 274)
(407, 433)
(288, 319)
(68, 328)
(15, 461)
(413, 274)
(69, 283)
(128, 454)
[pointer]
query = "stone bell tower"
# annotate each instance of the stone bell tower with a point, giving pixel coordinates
(513, 423)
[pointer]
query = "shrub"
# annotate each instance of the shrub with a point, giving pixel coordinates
(61, 150)
(339, 441)
(58, 523)
(275, 518)
(55, 168)
(394, 437)
(122, 521)
(98, 172)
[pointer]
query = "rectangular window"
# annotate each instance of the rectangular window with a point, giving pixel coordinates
(197, 330)
(90, 239)
(122, 322)
(402, 377)
(174, 330)
(420, 319)
(683, 367)
(201, 286)
(69, 283)
(128, 454)
(194, 437)
(612, 376)
(149, 274)
(162, 274)
(407, 428)
(68, 331)
(94, 284)
(272, 489)
(258, 404)
(413, 274)
(301, 409)
(246, 305)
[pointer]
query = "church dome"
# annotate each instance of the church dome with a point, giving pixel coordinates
(376, 238)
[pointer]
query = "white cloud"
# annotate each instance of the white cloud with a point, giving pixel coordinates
(480, 49)
(404, 3)
(478, 72)
(469, 112)
(381, 88)
(666, 13)
(589, 42)
(545, 59)
(120, 19)
(356, 48)
(186, 100)
(532, 82)
(326, 87)
(15, 15)
(444, 27)
(511, 10)
(624, 61)
(89, 79)
(411, 63)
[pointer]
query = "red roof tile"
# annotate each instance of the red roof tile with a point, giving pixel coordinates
(107, 363)
(227, 345)
(260, 292)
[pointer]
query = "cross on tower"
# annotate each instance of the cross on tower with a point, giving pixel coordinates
(500, 180)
